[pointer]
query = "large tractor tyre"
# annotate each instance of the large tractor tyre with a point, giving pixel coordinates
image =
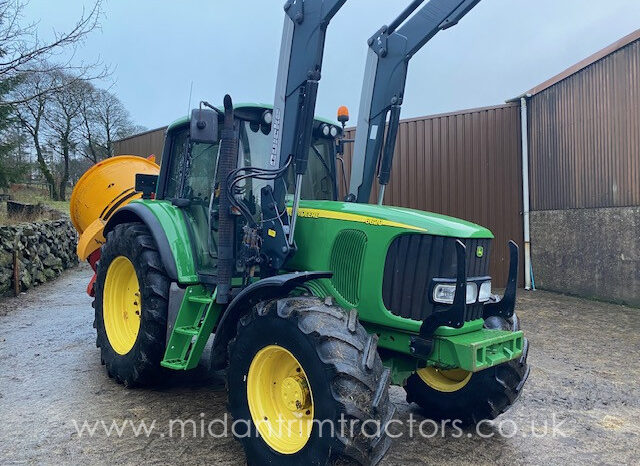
(471, 398)
(131, 302)
(307, 386)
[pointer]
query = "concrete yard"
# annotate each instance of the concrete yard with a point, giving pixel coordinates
(585, 378)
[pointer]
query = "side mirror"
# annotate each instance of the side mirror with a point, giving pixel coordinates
(204, 126)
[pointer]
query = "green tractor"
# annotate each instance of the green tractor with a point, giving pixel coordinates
(316, 305)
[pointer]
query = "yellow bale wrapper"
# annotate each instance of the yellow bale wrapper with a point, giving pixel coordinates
(102, 190)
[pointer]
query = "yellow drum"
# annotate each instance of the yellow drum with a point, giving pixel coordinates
(102, 190)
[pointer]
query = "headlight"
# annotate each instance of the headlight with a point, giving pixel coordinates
(326, 130)
(444, 293)
(485, 292)
(334, 131)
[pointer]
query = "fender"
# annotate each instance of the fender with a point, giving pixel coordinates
(136, 212)
(278, 286)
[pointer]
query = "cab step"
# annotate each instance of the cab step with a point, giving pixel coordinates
(175, 364)
(199, 299)
(192, 331)
(194, 323)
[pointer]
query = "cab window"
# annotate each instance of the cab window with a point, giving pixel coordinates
(202, 171)
(318, 181)
(177, 154)
(198, 174)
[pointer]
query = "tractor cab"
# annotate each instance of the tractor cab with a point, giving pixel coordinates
(189, 175)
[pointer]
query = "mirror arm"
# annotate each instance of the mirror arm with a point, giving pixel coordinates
(212, 107)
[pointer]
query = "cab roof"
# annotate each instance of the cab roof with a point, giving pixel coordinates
(185, 120)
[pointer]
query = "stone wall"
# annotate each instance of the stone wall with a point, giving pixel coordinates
(593, 253)
(45, 249)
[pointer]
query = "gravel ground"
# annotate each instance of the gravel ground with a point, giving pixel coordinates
(584, 378)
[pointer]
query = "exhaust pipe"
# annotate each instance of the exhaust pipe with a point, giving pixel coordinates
(226, 224)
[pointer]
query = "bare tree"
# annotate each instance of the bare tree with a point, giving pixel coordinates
(23, 52)
(63, 121)
(37, 72)
(91, 128)
(105, 120)
(114, 118)
(33, 98)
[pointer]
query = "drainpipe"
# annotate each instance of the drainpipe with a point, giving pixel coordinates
(525, 190)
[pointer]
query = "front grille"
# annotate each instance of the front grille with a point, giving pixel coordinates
(477, 266)
(414, 260)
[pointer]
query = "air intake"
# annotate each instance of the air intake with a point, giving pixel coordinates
(346, 264)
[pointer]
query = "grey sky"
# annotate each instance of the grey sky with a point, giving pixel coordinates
(499, 50)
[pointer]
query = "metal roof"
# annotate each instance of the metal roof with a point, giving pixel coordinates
(626, 40)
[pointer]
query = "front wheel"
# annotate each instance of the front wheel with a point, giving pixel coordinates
(307, 386)
(460, 395)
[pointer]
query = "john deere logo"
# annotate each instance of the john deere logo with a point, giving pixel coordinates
(480, 251)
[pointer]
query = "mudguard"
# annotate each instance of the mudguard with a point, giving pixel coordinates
(274, 287)
(139, 212)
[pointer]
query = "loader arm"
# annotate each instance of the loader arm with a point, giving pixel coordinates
(390, 50)
(299, 73)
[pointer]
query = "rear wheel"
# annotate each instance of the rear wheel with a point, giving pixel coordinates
(471, 398)
(306, 386)
(131, 304)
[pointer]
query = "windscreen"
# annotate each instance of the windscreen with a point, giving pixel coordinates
(255, 149)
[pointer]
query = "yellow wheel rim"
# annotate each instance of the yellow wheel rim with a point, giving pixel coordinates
(445, 380)
(121, 305)
(280, 399)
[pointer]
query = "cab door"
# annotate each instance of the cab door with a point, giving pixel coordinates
(189, 179)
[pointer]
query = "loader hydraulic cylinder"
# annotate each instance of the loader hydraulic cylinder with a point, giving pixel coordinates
(390, 50)
(299, 72)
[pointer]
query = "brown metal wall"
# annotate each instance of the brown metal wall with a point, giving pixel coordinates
(585, 136)
(144, 145)
(467, 165)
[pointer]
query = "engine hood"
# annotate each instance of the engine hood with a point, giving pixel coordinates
(408, 219)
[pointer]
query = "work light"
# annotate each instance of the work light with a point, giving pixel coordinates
(485, 292)
(267, 117)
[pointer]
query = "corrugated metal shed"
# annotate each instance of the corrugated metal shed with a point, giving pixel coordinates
(585, 132)
(465, 164)
(143, 144)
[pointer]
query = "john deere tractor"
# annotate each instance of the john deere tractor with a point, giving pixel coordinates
(316, 305)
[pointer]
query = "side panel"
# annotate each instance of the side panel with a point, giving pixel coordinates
(316, 236)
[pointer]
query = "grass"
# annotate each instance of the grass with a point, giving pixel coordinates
(32, 195)
(35, 195)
